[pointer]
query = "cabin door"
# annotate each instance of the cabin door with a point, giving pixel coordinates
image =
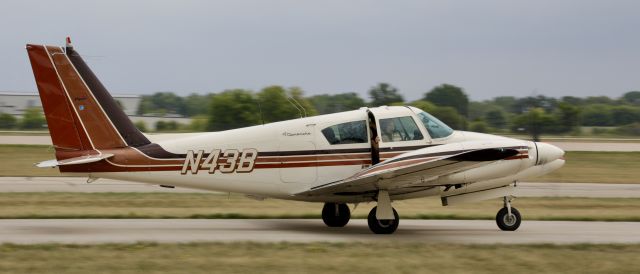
(375, 147)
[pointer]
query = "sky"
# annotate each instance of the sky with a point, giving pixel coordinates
(490, 48)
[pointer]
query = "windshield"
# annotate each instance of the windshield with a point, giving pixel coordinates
(436, 128)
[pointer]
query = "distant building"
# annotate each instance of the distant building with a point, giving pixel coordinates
(15, 103)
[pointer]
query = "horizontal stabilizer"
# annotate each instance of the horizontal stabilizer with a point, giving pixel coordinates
(74, 161)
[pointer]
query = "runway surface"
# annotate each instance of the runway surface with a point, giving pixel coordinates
(79, 184)
(573, 145)
(90, 231)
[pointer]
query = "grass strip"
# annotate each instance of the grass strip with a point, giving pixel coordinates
(597, 167)
(248, 257)
(20, 160)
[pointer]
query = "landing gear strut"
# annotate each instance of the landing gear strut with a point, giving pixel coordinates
(335, 215)
(383, 219)
(508, 218)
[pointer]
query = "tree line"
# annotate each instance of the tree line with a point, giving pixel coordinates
(533, 115)
(32, 119)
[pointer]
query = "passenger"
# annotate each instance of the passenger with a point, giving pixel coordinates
(389, 132)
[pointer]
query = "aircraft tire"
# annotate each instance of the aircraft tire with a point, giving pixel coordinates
(508, 224)
(382, 226)
(333, 218)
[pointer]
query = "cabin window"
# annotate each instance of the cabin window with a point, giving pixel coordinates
(436, 128)
(399, 129)
(346, 133)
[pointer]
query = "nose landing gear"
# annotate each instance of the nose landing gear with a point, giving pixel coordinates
(508, 218)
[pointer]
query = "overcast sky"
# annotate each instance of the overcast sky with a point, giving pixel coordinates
(490, 48)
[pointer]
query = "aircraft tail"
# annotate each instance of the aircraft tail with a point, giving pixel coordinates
(80, 112)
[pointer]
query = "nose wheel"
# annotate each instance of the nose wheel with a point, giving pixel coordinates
(508, 218)
(335, 215)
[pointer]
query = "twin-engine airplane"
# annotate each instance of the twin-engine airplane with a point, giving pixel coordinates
(380, 154)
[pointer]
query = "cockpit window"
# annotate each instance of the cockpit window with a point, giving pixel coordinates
(346, 133)
(399, 129)
(436, 128)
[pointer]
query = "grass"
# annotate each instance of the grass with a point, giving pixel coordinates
(205, 205)
(597, 167)
(19, 160)
(318, 258)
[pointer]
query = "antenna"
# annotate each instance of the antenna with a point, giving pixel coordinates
(260, 109)
(533, 128)
(291, 100)
(300, 105)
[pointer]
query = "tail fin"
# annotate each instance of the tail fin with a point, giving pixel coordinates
(80, 113)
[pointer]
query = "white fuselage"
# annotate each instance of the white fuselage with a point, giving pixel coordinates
(302, 157)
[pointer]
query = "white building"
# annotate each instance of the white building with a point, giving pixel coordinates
(15, 103)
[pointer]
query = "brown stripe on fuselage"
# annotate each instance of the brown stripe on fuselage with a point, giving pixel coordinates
(313, 164)
(130, 159)
(313, 158)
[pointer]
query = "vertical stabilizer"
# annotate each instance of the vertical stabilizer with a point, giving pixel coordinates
(80, 112)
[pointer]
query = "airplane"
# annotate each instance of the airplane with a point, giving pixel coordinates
(372, 154)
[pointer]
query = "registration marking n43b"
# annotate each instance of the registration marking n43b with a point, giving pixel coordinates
(227, 161)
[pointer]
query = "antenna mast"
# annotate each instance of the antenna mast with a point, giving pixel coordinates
(295, 103)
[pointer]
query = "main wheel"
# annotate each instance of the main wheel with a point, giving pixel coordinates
(508, 222)
(382, 226)
(335, 215)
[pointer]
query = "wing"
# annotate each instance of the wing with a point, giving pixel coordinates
(413, 168)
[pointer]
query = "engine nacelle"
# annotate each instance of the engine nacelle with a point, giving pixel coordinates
(491, 171)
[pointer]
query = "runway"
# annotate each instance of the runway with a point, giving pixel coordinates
(92, 231)
(79, 184)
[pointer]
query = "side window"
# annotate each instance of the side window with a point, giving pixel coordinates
(399, 129)
(346, 133)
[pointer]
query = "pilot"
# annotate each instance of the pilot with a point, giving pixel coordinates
(389, 132)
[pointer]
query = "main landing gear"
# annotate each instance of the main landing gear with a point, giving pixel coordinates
(382, 219)
(508, 218)
(335, 215)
